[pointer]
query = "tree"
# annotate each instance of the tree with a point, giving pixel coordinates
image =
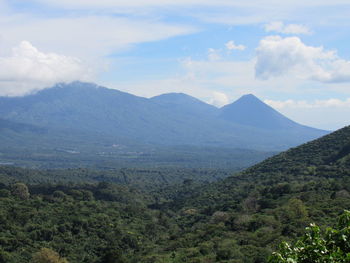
(47, 255)
(4, 256)
(20, 190)
(330, 246)
(296, 209)
(113, 256)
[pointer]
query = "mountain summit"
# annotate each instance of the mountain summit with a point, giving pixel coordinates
(184, 103)
(251, 111)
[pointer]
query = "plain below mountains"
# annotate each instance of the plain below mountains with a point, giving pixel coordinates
(91, 114)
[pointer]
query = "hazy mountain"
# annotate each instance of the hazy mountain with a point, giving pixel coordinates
(186, 104)
(11, 126)
(92, 109)
(249, 110)
(170, 119)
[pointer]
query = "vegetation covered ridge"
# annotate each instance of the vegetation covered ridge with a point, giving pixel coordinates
(239, 219)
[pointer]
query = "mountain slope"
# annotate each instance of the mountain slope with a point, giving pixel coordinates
(270, 202)
(252, 112)
(332, 150)
(327, 157)
(185, 103)
(239, 219)
(249, 110)
(6, 125)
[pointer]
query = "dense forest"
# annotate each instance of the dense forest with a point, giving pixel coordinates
(190, 215)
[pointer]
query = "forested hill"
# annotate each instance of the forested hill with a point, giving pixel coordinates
(332, 150)
(324, 158)
(271, 201)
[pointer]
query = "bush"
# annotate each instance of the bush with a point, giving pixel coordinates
(46, 255)
(330, 246)
(21, 191)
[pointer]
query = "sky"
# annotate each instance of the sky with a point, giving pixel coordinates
(293, 55)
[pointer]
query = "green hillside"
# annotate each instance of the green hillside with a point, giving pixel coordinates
(239, 219)
(272, 201)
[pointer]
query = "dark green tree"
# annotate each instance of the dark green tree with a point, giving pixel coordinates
(21, 191)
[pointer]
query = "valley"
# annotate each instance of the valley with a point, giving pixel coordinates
(188, 131)
(102, 199)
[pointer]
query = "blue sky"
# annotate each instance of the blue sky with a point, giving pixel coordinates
(294, 55)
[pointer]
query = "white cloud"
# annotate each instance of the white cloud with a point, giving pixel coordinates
(87, 4)
(235, 78)
(214, 54)
(277, 56)
(329, 114)
(88, 36)
(231, 45)
(293, 29)
(219, 99)
(252, 12)
(329, 103)
(227, 12)
(142, 3)
(28, 69)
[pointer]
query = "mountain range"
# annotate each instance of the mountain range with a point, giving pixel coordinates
(90, 114)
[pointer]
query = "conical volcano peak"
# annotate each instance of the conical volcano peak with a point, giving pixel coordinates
(249, 98)
(247, 103)
(250, 110)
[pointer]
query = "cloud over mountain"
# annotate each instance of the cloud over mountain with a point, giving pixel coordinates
(219, 99)
(28, 69)
(329, 103)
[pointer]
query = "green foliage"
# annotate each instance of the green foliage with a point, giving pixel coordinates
(20, 190)
(296, 209)
(330, 246)
(4, 256)
(84, 223)
(174, 216)
(46, 255)
(141, 178)
(114, 256)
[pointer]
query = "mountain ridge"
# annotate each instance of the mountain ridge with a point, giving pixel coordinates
(184, 103)
(170, 119)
